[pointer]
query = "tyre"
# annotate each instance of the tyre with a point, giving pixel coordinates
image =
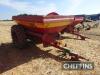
(19, 37)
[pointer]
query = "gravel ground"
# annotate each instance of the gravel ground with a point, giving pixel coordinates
(38, 60)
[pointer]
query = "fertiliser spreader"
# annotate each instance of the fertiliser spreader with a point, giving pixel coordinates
(44, 28)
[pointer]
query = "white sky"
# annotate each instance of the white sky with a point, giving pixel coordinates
(8, 8)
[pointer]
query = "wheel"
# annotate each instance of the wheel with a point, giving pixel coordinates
(34, 40)
(19, 37)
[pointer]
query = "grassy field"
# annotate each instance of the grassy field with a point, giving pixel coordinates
(38, 60)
